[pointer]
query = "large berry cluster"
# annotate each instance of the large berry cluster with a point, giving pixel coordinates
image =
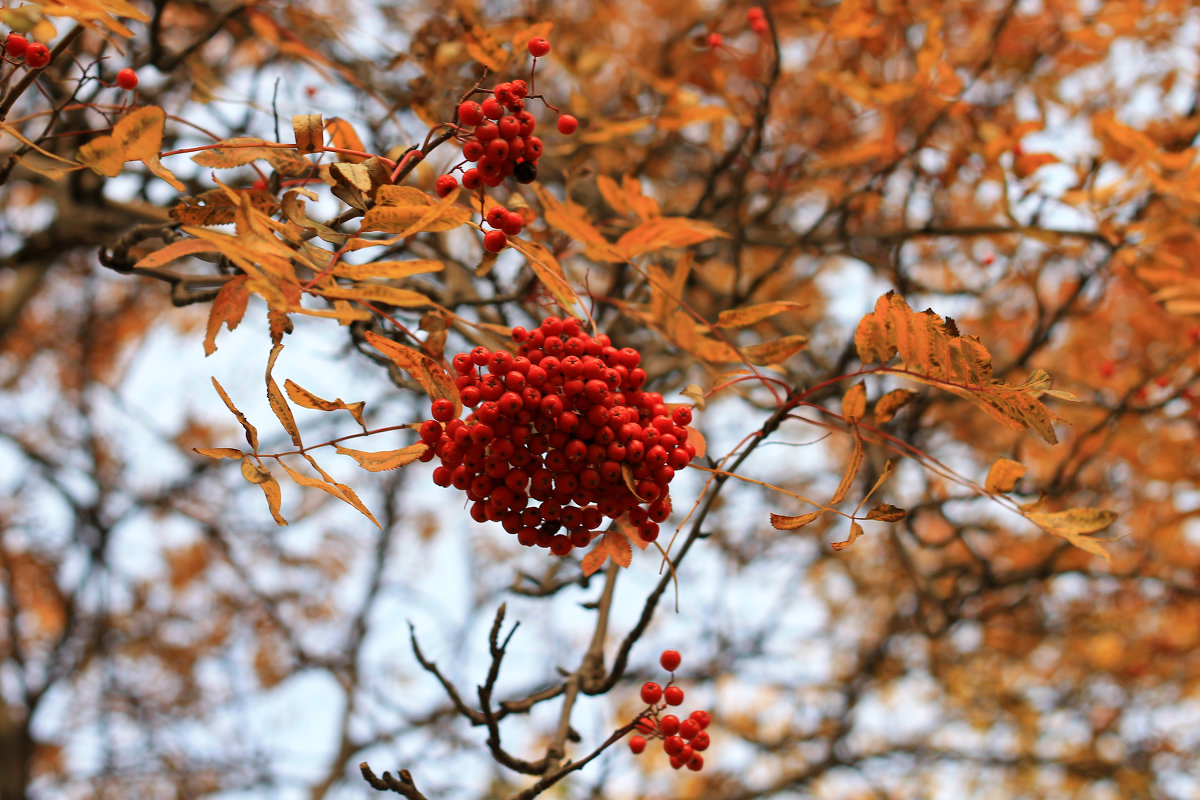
(497, 136)
(682, 739)
(561, 437)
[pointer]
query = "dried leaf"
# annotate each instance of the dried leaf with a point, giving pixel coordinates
(310, 132)
(278, 403)
(329, 486)
(851, 469)
(854, 403)
(436, 382)
(228, 308)
(251, 433)
(885, 512)
(179, 249)
(661, 233)
(549, 272)
(694, 393)
(1076, 526)
(748, 315)
(306, 399)
(1003, 475)
(619, 548)
(343, 135)
(391, 270)
(595, 558)
(856, 531)
(887, 406)
(782, 522)
(387, 459)
(775, 352)
(241, 150)
(219, 452)
(136, 137)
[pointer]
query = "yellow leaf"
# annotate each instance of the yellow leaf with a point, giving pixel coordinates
(661, 233)
(241, 150)
(854, 403)
(775, 352)
(851, 469)
(570, 220)
(179, 249)
(278, 404)
(414, 217)
(310, 132)
(391, 270)
(228, 307)
(378, 293)
(342, 134)
(306, 399)
(387, 459)
(694, 393)
(1076, 526)
(741, 317)
(253, 471)
(136, 137)
(887, 406)
(548, 270)
(251, 432)
(1003, 475)
(885, 512)
(219, 452)
(330, 487)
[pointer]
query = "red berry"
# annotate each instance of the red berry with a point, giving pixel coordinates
(673, 695)
(689, 728)
(669, 725)
(759, 25)
(754, 12)
(15, 45)
(700, 741)
(494, 241)
(496, 216)
(538, 46)
(514, 223)
(492, 108)
(697, 763)
(520, 88)
(443, 410)
(470, 113)
(127, 79)
(470, 179)
(37, 55)
(567, 124)
(715, 40)
(702, 718)
(673, 745)
(637, 744)
(670, 660)
(651, 693)
(445, 184)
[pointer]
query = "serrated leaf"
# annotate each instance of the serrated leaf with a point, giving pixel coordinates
(136, 137)
(696, 439)
(432, 377)
(417, 216)
(619, 548)
(1003, 475)
(595, 558)
(856, 531)
(854, 402)
(782, 522)
(387, 459)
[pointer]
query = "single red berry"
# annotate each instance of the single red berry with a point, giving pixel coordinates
(470, 179)
(496, 216)
(700, 741)
(759, 25)
(673, 695)
(445, 184)
(15, 45)
(520, 88)
(702, 718)
(715, 40)
(472, 150)
(492, 108)
(689, 728)
(514, 223)
(443, 410)
(651, 693)
(637, 744)
(470, 113)
(754, 12)
(697, 763)
(673, 745)
(494, 241)
(669, 725)
(37, 55)
(567, 124)
(127, 79)
(670, 660)
(538, 46)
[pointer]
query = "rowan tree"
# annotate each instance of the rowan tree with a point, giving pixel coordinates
(826, 370)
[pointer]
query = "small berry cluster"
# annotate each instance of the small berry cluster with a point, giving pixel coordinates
(564, 423)
(497, 137)
(36, 54)
(756, 18)
(682, 739)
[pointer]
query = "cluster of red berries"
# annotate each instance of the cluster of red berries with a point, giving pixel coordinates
(756, 18)
(683, 740)
(563, 423)
(497, 137)
(36, 54)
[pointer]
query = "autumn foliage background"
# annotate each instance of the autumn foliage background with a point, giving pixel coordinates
(999, 597)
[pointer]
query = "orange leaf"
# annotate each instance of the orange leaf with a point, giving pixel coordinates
(595, 557)
(661, 233)
(387, 459)
(303, 397)
(342, 134)
(1003, 475)
(782, 522)
(856, 531)
(436, 382)
(741, 317)
(278, 404)
(228, 307)
(310, 132)
(219, 452)
(619, 548)
(251, 432)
